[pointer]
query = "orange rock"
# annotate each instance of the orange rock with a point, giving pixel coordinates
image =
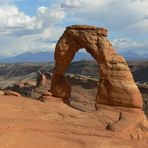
(47, 94)
(1, 92)
(26, 123)
(116, 84)
(10, 92)
(43, 79)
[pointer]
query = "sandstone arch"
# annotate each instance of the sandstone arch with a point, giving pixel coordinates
(116, 84)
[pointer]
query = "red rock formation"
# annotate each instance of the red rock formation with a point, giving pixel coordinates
(43, 79)
(42, 85)
(10, 92)
(116, 84)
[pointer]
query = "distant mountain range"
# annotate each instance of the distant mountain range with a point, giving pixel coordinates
(29, 57)
(130, 56)
(49, 56)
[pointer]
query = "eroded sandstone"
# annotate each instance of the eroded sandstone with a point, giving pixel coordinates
(116, 88)
(116, 84)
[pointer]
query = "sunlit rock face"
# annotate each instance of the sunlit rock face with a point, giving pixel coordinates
(116, 85)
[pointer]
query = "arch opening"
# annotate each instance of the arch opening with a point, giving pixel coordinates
(82, 74)
(83, 64)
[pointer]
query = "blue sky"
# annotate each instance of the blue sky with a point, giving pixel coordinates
(36, 25)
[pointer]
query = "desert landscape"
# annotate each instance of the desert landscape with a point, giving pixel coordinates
(73, 74)
(40, 109)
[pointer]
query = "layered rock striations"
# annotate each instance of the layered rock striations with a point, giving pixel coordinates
(116, 90)
(116, 85)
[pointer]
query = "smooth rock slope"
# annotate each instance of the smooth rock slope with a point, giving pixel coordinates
(27, 123)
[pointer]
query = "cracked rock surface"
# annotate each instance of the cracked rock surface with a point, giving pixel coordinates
(30, 123)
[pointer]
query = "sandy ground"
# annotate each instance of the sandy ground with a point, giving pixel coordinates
(28, 123)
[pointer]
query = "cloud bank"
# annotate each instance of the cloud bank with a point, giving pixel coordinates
(126, 20)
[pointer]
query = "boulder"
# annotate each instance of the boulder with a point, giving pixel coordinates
(42, 87)
(11, 93)
(1, 92)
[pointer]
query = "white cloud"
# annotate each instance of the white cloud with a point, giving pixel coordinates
(117, 15)
(127, 44)
(51, 33)
(139, 28)
(51, 15)
(13, 21)
(124, 43)
(70, 4)
(11, 17)
(11, 46)
(20, 33)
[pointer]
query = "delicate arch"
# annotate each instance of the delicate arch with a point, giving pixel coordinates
(116, 84)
